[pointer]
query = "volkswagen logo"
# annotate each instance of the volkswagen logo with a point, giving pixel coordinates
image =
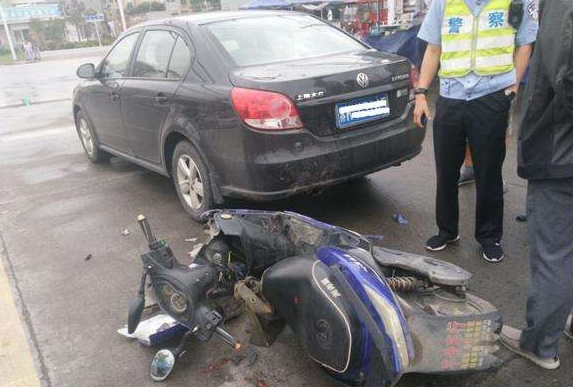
(362, 80)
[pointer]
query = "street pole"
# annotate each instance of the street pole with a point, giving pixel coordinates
(120, 5)
(8, 36)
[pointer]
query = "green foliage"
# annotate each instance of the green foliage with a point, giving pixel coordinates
(155, 6)
(105, 40)
(53, 30)
(90, 11)
(6, 55)
(144, 7)
(199, 5)
(74, 12)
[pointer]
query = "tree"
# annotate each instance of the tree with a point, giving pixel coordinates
(155, 6)
(53, 30)
(143, 7)
(205, 5)
(130, 10)
(74, 12)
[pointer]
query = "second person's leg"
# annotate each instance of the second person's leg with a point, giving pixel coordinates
(487, 119)
(449, 146)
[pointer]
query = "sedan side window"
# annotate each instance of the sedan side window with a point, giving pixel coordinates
(116, 63)
(154, 53)
(180, 60)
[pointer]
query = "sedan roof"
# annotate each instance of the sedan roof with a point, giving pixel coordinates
(199, 18)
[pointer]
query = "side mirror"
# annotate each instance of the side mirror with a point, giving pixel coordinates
(161, 365)
(86, 71)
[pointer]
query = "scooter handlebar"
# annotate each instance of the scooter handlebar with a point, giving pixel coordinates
(228, 338)
(147, 231)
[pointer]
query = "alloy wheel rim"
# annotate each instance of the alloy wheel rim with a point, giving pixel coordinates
(86, 136)
(190, 182)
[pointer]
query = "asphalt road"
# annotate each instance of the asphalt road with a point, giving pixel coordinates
(56, 208)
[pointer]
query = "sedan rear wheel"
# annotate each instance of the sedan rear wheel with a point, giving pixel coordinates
(191, 180)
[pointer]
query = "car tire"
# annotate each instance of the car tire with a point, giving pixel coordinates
(191, 180)
(89, 140)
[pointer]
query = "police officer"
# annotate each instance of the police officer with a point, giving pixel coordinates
(481, 58)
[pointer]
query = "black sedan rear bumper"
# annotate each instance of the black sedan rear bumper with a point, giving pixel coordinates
(278, 165)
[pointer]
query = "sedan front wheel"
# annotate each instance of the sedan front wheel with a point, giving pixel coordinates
(89, 140)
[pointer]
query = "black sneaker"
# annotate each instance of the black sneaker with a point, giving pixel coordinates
(492, 252)
(467, 176)
(440, 242)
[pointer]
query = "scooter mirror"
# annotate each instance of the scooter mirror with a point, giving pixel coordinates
(134, 316)
(161, 365)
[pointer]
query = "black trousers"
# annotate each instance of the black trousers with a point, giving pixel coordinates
(481, 123)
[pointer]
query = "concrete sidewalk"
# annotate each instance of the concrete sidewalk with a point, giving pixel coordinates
(75, 53)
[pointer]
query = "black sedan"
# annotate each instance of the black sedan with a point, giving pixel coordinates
(255, 104)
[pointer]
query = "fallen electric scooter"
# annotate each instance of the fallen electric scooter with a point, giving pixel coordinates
(366, 314)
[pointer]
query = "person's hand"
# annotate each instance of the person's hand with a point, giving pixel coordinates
(421, 109)
(513, 88)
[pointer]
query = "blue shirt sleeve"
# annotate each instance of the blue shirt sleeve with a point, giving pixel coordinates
(431, 29)
(527, 32)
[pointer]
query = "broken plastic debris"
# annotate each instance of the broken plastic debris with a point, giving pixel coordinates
(400, 219)
(196, 250)
(521, 218)
(154, 330)
(126, 232)
(26, 99)
(191, 240)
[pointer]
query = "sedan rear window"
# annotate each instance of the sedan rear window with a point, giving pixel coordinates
(260, 40)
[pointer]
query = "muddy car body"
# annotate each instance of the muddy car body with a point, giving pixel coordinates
(267, 104)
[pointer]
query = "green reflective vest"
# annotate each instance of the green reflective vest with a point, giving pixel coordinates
(483, 44)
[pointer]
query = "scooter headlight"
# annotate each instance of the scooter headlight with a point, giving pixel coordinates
(178, 303)
(172, 300)
(392, 323)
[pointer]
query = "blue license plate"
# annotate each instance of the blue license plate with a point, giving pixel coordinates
(358, 111)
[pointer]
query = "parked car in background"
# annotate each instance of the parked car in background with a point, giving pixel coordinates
(254, 104)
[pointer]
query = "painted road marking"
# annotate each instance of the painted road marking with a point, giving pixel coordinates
(16, 362)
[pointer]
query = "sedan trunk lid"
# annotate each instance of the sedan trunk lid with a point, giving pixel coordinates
(316, 85)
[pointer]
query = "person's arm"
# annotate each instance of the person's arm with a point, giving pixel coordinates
(430, 65)
(431, 33)
(521, 61)
(525, 36)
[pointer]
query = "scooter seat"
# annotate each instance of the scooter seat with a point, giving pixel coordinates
(437, 271)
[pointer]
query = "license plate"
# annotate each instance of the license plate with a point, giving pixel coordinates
(362, 110)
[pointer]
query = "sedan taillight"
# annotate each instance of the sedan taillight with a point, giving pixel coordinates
(265, 110)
